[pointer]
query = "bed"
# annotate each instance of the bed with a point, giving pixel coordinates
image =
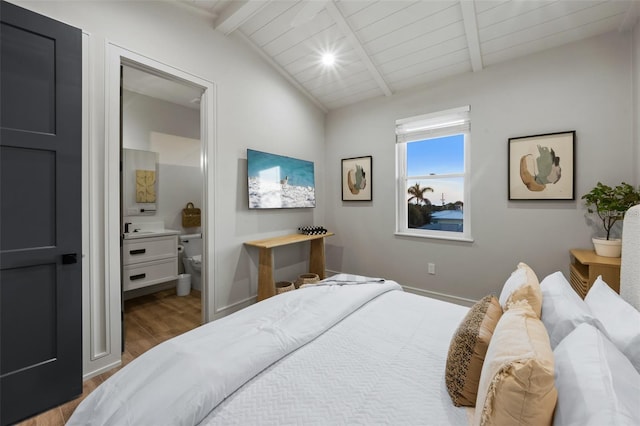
(360, 350)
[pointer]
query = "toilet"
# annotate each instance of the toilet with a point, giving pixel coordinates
(192, 259)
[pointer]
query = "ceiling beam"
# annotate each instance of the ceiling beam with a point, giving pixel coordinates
(471, 30)
(282, 71)
(308, 12)
(630, 17)
(350, 35)
(237, 13)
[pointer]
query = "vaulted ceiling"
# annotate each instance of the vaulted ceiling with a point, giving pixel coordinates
(387, 46)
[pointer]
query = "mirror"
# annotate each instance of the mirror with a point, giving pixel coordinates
(140, 182)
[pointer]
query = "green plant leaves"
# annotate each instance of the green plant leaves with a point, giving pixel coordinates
(610, 203)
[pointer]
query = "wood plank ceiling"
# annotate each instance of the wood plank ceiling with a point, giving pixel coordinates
(388, 46)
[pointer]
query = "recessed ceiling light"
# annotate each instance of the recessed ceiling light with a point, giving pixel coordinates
(328, 59)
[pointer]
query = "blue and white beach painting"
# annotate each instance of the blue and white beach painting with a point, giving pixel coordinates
(276, 181)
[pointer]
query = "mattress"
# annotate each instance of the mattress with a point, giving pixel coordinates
(384, 364)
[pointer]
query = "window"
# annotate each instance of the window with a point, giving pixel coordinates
(432, 170)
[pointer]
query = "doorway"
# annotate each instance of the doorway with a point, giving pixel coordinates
(161, 152)
(117, 57)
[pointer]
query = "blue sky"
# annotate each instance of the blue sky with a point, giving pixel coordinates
(439, 156)
(434, 157)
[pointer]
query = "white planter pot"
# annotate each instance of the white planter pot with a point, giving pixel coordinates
(607, 248)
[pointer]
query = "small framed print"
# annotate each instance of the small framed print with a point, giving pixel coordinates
(542, 167)
(357, 179)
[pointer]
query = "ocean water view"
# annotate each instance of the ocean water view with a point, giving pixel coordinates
(276, 181)
(279, 169)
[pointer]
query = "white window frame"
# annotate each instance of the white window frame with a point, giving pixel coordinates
(431, 126)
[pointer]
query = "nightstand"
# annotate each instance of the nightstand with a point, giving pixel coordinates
(586, 265)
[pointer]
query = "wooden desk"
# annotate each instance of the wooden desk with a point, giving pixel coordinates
(586, 265)
(266, 282)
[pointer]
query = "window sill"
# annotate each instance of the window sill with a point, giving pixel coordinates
(434, 237)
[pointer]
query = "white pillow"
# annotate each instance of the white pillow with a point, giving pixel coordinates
(562, 308)
(522, 284)
(619, 318)
(517, 279)
(597, 385)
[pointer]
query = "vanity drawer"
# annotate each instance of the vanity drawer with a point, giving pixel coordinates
(137, 276)
(148, 249)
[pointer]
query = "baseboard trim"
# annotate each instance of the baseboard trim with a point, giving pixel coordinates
(440, 296)
(236, 306)
(101, 370)
(433, 294)
(233, 307)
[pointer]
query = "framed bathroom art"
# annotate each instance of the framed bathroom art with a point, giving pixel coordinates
(357, 179)
(542, 167)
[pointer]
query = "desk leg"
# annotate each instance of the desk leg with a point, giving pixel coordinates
(266, 285)
(316, 258)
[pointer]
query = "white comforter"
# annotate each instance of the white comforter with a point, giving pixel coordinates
(182, 380)
(383, 365)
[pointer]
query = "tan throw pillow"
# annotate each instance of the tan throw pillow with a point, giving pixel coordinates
(523, 284)
(467, 350)
(517, 380)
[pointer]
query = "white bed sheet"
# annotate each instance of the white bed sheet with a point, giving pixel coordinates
(384, 364)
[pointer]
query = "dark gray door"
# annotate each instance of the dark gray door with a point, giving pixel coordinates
(40, 213)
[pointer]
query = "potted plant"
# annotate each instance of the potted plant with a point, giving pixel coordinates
(610, 204)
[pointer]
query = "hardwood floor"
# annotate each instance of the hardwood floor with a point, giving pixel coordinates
(149, 320)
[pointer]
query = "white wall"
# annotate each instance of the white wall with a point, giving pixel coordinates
(173, 131)
(584, 86)
(255, 107)
(144, 114)
(636, 106)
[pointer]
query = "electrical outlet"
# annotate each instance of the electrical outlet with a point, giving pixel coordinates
(431, 268)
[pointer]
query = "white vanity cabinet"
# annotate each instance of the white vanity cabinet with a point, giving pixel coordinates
(149, 260)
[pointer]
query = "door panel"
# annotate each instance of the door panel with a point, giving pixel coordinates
(32, 176)
(37, 333)
(40, 213)
(28, 73)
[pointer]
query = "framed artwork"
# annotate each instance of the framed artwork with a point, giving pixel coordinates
(542, 167)
(357, 179)
(278, 182)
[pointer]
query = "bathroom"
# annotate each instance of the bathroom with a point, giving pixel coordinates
(161, 174)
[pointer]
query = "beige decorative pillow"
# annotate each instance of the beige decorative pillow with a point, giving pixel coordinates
(467, 350)
(517, 380)
(523, 284)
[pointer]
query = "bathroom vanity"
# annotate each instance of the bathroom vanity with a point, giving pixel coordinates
(149, 257)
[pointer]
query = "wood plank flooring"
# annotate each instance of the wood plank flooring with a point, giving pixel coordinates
(149, 320)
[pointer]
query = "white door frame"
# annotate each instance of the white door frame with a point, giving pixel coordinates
(116, 56)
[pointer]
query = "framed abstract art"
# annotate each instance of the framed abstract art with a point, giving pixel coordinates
(357, 179)
(542, 167)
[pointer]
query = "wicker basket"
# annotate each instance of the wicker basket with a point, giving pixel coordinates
(284, 286)
(190, 216)
(307, 279)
